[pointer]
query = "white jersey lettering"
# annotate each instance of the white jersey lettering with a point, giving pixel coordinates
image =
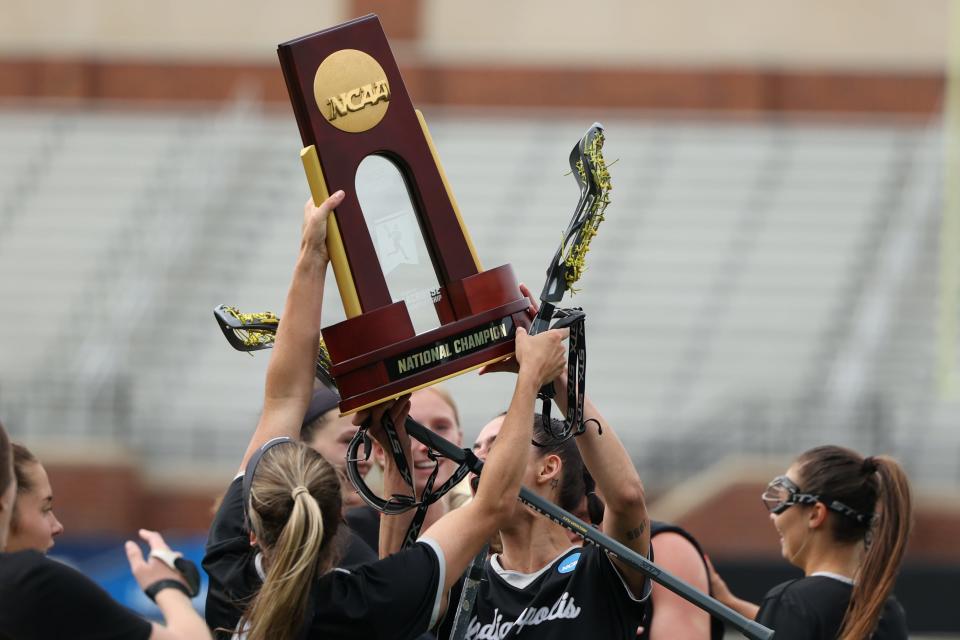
(563, 609)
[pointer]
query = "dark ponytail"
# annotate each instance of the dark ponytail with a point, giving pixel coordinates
(884, 553)
(877, 489)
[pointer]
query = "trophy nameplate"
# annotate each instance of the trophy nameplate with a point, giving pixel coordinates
(350, 103)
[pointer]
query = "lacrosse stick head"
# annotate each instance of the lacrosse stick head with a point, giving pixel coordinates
(593, 177)
(257, 331)
(589, 169)
(580, 160)
(247, 331)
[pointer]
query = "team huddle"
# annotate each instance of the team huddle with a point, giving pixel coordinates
(292, 553)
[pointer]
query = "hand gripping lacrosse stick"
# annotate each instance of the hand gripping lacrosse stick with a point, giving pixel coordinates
(257, 331)
(590, 171)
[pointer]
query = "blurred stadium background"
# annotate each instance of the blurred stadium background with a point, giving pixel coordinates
(780, 266)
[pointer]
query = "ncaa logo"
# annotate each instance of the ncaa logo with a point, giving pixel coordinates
(569, 564)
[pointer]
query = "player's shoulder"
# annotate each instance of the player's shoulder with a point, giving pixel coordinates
(672, 542)
(808, 589)
(21, 564)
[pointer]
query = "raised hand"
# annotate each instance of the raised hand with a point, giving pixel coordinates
(720, 591)
(543, 356)
(315, 223)
(510, 365)
(148, 571)
(398, 410)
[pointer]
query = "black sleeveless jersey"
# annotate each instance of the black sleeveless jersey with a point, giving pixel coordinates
(812, 608)
(581, 594)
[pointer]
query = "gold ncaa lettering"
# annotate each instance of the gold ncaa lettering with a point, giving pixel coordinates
(357, 99)
(351, 90)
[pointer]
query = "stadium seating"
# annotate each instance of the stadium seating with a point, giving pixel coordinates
(720, 292)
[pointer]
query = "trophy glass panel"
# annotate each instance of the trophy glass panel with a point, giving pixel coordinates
(397, 238)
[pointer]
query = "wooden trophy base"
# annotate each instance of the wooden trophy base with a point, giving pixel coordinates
(378, 356)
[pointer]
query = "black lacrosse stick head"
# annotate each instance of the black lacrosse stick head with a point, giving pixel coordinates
(257, 331)
(246, 332)
(581, 163)
(584, 170)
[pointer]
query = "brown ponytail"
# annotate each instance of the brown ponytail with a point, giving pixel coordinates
(294, 511)
(884, 552)
(874, 485)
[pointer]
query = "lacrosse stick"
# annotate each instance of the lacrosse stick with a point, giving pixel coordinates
(590, 171)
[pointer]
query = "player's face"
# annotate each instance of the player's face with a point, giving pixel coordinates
(34, 525)
(583, 513)
(331, 441)
(484, 442)
(6, 511)
(486, 437)
(791, 526)
(430, 409)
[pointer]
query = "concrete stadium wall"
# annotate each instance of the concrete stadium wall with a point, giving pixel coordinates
(171, 30)
(823, 34)
(884, 56)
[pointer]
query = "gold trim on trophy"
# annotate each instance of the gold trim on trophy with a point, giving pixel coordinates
(446, 185)
(338, 255)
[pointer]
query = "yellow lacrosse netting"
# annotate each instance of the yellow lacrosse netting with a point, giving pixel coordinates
(575, 260)
(254, 337)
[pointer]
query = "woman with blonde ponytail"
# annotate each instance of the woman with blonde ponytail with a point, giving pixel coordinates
(275, 531)
(845, 520)
(287, 522)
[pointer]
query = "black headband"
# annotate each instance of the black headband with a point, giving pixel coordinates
(251, 470)
(324, 399)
